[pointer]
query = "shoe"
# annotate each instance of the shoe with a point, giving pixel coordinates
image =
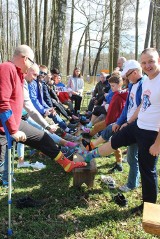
(72, 131)
(27, 201)
(38, 165)
(72, 138)
(120, 200)
(86, 135)
(124, 160)
(85, 129)
(125, 188)
(72, 126)
(109, 181)
(86, 145)
(117, 167)
(137, 210)
(68, 152)
(23, 165)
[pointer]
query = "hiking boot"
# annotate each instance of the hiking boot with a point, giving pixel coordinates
(27, 201)
(117, 167)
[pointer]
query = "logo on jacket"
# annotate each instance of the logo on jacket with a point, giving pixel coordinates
(146, 100)
(131, 102)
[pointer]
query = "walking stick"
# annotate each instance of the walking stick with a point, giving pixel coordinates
(4, 117)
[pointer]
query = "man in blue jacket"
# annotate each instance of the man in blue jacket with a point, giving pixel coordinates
(37, 98)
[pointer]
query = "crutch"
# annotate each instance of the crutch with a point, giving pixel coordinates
(4, 117)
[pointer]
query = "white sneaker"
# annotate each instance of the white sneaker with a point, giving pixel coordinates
(23, 165)
(38, 165)
(125, 188)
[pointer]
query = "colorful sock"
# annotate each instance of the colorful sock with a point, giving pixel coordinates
(71, 144)
(88, 156)
(67, 164)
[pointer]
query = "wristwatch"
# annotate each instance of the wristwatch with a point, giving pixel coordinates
(48, 128)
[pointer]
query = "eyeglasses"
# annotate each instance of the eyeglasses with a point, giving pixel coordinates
(129, 73)
(41, 73)
(31, 61)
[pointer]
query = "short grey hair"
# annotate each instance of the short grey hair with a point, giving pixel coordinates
(23, 50)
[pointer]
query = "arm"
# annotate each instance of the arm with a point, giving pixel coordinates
(155, 148)
(33, 93)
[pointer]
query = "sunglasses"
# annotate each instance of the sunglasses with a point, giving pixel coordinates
(42, 73)
(130, 73)
(31, 61)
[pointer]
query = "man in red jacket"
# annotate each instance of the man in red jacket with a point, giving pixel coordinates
(11, 98)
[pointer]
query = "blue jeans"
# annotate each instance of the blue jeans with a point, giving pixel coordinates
(57, 120)
(132, 159)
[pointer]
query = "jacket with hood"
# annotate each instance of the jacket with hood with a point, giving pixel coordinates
(116, 106)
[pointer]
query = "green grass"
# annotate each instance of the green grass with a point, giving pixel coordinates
(71, 213)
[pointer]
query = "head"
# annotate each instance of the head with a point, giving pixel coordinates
(103, 77)
(132, 70)
(120, 62)
(43, 71)
(56, 78)
(150, 62)
(115, 82)
(23, 57)
(32, 73)
(76, 72)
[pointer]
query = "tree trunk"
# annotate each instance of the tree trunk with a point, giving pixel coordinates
(136, 30)
(149, 24)
(59, 34)
(79, 46)
(117, 30)
(28, 21)
(111, 38)
(70, 39)
(44, 42)
(21, 21)
(85, 51)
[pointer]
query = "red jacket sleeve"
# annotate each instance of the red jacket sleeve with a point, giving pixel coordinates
(115, 108)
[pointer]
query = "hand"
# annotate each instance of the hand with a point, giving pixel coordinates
(53, 127)
(47, 112)
(123, 125)
(154, 149)
(19, 136)
(115, 127)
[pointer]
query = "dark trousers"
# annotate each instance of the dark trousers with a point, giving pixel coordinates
(147, 163)
(77, 99)
(38, 139)
(59, 106)
(98, 110)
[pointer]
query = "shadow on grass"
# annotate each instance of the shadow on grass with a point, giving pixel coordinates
(67, 209)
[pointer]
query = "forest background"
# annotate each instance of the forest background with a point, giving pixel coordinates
(89, 33)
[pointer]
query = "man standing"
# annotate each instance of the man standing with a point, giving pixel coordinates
(146, 131)
(11, 95)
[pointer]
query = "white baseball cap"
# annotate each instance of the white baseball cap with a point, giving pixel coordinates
(129, 65)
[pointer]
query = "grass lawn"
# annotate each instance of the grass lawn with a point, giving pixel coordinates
(71, 213)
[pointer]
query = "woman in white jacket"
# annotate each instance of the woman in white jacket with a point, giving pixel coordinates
(75, 87)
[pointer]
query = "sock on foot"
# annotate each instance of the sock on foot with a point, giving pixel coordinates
(71, 144)
(67, 164)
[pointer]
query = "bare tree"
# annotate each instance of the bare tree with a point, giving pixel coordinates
(149, 24)
(44, 41)
(111, 38)
(136, 30)
(21, 21)
(70, 38)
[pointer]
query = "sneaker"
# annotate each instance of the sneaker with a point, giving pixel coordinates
(109, 181)
(85, 129)
(125, 188)
(38, 165)
(117, 167)
(120, 200)
(86, 145)
(23, 165)
(72, 126)
(72, 131)
(27, 201)
(137, 210)
(86, 135)
(72, 138)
